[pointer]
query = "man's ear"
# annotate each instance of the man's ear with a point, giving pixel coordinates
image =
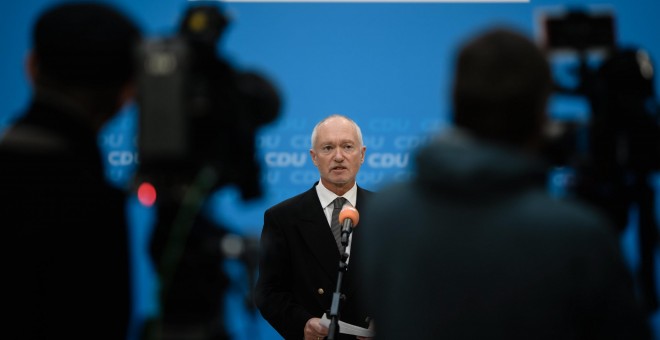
(32, 67)
(313, 155)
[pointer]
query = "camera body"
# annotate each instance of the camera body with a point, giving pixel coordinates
(622, 134)
(197, 111)
(578, 30)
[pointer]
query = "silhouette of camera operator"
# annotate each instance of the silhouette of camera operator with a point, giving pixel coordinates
(66, 272)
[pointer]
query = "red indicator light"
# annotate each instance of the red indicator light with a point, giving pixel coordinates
(146, 194)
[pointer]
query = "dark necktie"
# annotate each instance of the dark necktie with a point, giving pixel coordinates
(334, 222)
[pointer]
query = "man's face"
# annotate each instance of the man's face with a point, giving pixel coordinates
(338, 154)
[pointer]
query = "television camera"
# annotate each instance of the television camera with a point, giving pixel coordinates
(616, 152)
(198, 116)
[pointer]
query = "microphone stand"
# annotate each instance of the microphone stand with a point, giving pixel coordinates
(333, 330)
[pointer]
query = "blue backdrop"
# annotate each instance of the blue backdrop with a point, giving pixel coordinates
(385, 64)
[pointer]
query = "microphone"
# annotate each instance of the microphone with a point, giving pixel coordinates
(349, 218)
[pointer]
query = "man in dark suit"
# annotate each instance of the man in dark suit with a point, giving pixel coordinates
(66, 271)
(300, 257)
(473, 246)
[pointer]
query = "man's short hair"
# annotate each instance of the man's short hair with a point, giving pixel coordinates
(85, 45)
(501, 87)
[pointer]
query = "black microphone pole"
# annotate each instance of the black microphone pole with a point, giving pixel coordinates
(333, 330)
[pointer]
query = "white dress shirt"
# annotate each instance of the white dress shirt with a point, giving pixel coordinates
(327, 197)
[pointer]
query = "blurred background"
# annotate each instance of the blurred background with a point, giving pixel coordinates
(385, 64)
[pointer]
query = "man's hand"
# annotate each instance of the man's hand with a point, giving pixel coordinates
(314, 330)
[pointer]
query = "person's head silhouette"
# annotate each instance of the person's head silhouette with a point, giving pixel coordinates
(83, 55)
(501, 86)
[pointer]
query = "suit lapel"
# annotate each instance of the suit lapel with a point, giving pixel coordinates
(362, 196)
(316, 232)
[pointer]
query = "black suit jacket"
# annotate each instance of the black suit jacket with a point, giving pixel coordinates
(299, 263)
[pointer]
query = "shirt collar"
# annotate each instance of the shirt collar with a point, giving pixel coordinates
(326, 196)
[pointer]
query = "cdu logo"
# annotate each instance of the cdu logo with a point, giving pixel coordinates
(122, 158)
(285, 159)
(388, 160)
